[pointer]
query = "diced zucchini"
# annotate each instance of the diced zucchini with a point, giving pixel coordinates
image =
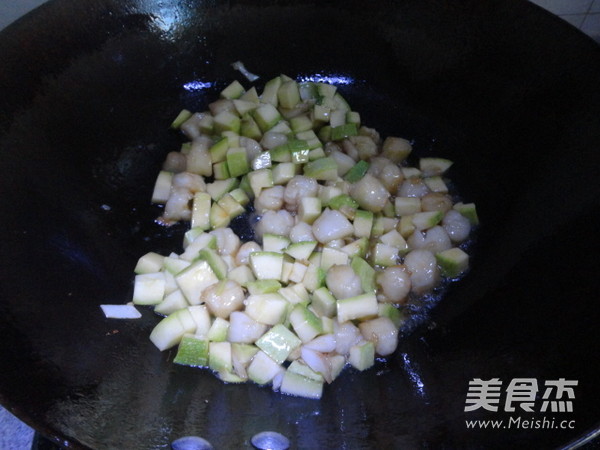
(278, 343)
(282, 127)
(262, 161)
(194, 279)
(343, 131)
(295, 293)
(434, 166)
(406, 227)
(219, 356)
(192, 351)
(231, 206)
(226, 121)
(365, 272)
(452, 262)
(394, 239)
(308, 90)
(149, 288)
(340, 102)
(218, 151)
(268, 309)
(171, 303)
(249, 128)
(127, 311)
(269, 94)
(170, 283)
(266, 265)
(251, 95)
(297, 273)
(219, 188)
(337, 362)
(326, 90)
(214, 260)
(384, 255)
(411, 172)
(240, 196)
(332, 257)
(363, 223)
(283, 172)
(242, 275)
(244, 106)
(263, 286)
(325, 133)
(221, 171)
(322, 169)
(468, 210)
(218, 330)
(353, 117)
(301, 250)
(310, 138)
(362, 356)
(323, 302)
(359, 307)
(263, 369)
(183, 115)
(426, 220)
(259, 179)
(436, 184)
(169, 331)
(299, 151)
(384, 224)
(234, 90)
(321, 114)
(314, 277)
(301, 123)
(201, 211)
(275, 243)
(327, 324)
(189, 236)
(281, 154)
(300, 368)
(337, 119)
(407, 205)
(219, 218)
(162, 187)
(286, 270)
(199, 160)
(237, 161)
(150, 262)
(301, 386)
(316, 153)
(243, 353)
(266, 116)
(358, 247)
(342, 200)
(288, 94)
(305, 323)
(357, 171)
(203, 240)
(309, 209)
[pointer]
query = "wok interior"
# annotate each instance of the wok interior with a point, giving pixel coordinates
(83, 140)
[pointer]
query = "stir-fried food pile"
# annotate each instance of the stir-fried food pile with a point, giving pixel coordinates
(346, 232)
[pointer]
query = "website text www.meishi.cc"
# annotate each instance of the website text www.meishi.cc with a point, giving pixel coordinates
(522, 423)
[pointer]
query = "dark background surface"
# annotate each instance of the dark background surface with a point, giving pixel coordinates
(88, 88)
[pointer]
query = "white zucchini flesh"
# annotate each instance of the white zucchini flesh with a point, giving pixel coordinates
(346, 236)
(121, 312)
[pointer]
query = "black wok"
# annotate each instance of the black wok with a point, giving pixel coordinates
(508, 92)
